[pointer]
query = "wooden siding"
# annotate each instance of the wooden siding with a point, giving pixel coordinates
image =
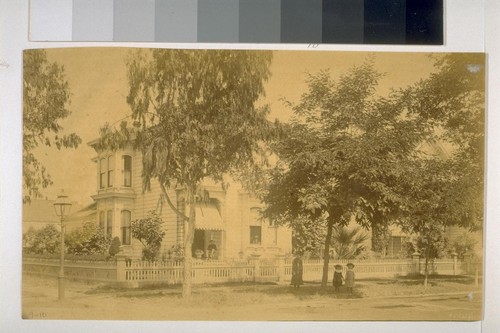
(147, 201)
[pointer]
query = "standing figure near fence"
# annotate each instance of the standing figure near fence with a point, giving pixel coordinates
(211, 249)
(349, 277)
(297, 271)
(337, 277)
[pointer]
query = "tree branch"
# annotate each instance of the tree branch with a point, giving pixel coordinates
(171, 205)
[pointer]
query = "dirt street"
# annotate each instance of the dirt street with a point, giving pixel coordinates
(244, 303)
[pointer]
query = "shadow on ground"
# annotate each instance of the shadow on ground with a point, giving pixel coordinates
(364, 288)
(306, 291)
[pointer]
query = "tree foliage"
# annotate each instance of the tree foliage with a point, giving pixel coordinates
(194, 116)
(150, 233)
(87, 240)
(452, 101)
(42, 241)
(447, 188)
(46, 97)
(307, 236)
(463, 244)
(343, 154)
(430, 245)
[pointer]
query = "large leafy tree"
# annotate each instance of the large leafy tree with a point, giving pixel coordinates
(46, 97)
(343, 155)
(195, 117)
(431, 207)
(447, 189)
(452, 100)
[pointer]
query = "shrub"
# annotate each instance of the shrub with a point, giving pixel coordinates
(349, 243)
(43, 241)
(88, 240)
(176, 252)
(463, 244)
(115, 246)
(149, 232)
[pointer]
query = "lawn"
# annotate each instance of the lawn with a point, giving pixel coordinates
(445, 298)
(256, 292)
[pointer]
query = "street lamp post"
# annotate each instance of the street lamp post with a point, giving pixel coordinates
(62, 206)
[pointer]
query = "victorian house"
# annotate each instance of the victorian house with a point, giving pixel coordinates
(229, 217)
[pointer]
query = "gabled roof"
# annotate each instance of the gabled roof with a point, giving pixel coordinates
(42, 211)
(84, 212)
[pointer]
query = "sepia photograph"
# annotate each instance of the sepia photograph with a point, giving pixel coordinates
(249, 185)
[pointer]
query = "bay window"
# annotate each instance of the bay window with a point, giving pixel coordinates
(109, 224)
(125, 227)
(127, 170)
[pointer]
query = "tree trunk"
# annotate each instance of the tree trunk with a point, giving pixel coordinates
(189, 227)
(426, 271)
(379, 236)
(326, 256)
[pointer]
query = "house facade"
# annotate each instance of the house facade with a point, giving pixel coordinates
(229, 217)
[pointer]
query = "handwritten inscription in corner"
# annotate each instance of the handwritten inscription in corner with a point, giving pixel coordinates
(34, 315)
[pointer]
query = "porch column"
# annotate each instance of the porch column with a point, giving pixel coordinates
(121, 268)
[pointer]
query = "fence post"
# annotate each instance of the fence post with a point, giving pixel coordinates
(256, 269)
(121, 268)
(281, 268)
(455, 262)
(476, 274)
(416, 262)
(467, 259)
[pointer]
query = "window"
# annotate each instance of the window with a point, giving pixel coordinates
(106, 171)
(255, 226)
(102, 221)
(102, 174)
(395, 246)
(255, 235)
(127, 170)
(125, 227)
(109, 224)
(111, 168)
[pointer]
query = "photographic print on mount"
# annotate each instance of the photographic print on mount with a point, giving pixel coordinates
(171, 184)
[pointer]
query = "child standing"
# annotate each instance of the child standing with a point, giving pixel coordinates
(337, 277)
(349, 277)
(297, 271)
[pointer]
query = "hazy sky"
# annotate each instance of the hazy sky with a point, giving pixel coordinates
(98, 83)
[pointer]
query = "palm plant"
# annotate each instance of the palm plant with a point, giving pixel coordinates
(348, 243)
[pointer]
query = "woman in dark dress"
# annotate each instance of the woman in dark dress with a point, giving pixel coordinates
(297, 271)
(337, 277)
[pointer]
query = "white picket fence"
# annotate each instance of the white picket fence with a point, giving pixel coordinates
(276, 270)
(133, 273)
(171, 272)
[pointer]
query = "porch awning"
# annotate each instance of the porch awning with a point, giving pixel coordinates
(208, 217)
